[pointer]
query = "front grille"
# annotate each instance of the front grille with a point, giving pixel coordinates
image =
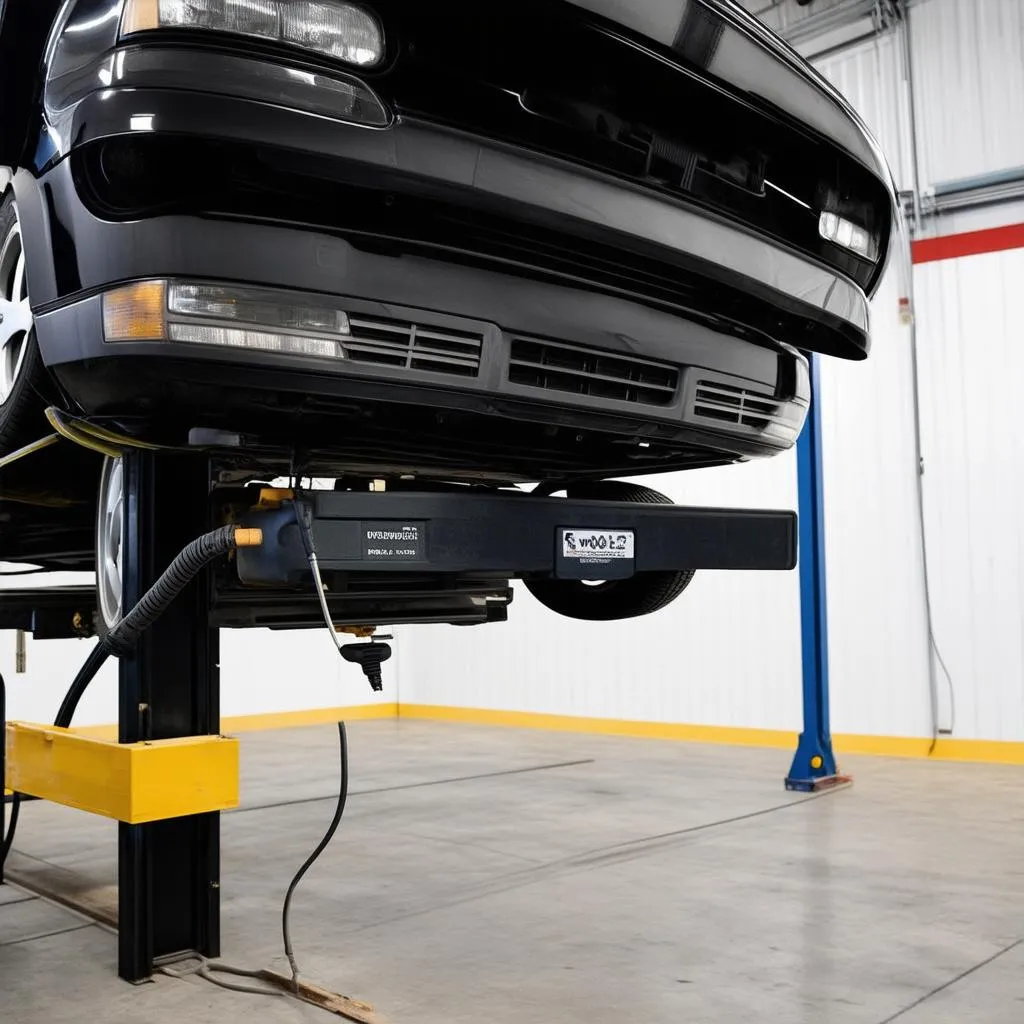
(553, 366)
(727, 403)
(413, 346)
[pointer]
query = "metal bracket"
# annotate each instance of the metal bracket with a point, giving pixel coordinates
(131, 782)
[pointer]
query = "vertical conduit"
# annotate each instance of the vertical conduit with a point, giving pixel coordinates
(933, 650)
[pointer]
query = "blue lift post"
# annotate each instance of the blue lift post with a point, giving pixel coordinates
(814, 764)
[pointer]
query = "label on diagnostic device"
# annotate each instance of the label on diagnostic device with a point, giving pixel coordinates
(394, 542)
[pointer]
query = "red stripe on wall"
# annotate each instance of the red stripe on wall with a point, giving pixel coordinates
(969, 243)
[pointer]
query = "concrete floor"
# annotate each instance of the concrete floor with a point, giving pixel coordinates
(486, 875)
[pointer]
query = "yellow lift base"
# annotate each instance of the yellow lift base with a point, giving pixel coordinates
(131, 782)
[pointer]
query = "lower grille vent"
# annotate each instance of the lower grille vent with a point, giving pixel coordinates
(413, 346)
(727, 403)
(554, 366)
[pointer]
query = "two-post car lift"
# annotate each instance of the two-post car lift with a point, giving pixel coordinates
(175, 772)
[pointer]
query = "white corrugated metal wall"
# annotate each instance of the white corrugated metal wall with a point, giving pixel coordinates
(727, 653)
(969, 77)
(261, 672)
(878, 640)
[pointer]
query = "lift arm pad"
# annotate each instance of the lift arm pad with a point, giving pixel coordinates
(131, 782)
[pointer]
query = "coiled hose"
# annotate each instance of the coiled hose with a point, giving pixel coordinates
(121, 639)
(192, 559)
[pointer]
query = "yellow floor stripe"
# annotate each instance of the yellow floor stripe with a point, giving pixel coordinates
(603, 726)
(315, 716)
(232, 724)
(980, 751)
(946, 749)
(983, 751)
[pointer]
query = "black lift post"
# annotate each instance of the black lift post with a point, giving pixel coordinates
(168, 871)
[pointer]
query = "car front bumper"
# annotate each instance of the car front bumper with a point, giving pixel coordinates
(538, 353)
(258, 102)
(729, 386)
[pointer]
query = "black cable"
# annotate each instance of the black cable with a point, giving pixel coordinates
(65, 714)
(25, 572)
(328, 836)
(86, 674)
(5, 847)
(6, 841)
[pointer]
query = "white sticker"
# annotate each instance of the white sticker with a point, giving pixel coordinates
(597, 545)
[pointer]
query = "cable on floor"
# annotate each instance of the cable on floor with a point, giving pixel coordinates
(188, 965)
(311, 859)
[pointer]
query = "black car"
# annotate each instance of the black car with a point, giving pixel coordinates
(542, 241)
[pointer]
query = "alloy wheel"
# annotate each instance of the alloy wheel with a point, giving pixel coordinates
(110, 541)
(15, 312)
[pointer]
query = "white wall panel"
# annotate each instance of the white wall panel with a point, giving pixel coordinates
(726, 653)
(969, 79)
(878, 640)
(972, 366)
(261, 672)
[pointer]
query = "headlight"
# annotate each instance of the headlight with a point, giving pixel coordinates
(225, 317)
(335, 29)
(834, 228)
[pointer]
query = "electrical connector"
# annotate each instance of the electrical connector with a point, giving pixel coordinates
(369, 657)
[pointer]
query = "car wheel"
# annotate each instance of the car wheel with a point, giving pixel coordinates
(110, 508)
(22, 375)
(603, 601)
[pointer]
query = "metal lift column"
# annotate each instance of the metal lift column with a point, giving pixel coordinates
(814, 764)
(168, 871)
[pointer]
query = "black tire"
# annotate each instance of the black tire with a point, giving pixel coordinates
(23, 391)
(642, 594)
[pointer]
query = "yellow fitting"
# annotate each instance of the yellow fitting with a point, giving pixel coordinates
(358, 631)
(271, 497)
(248, 537)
